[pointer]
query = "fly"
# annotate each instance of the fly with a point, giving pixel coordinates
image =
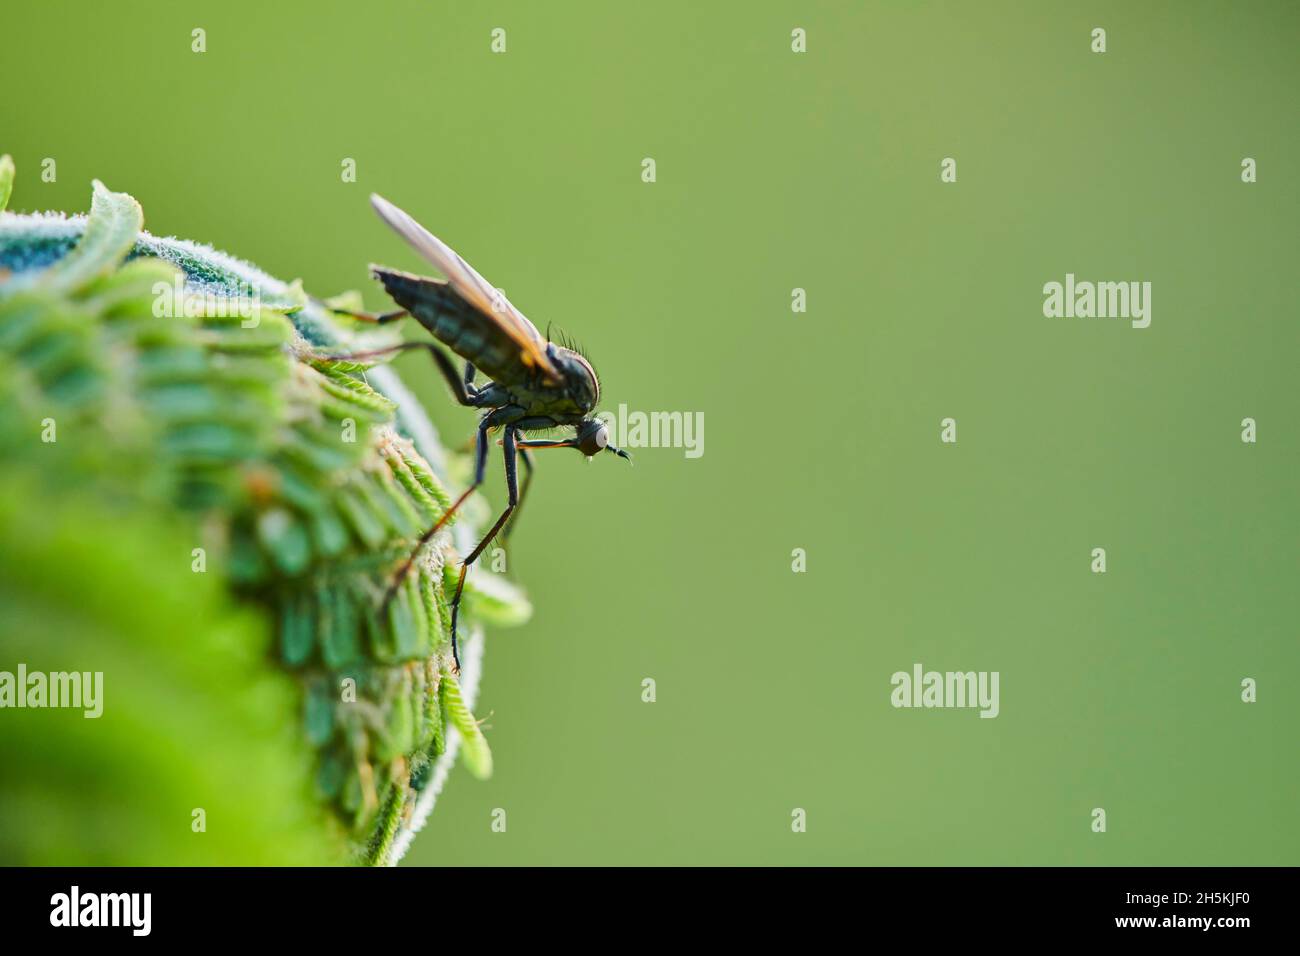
(533, 383)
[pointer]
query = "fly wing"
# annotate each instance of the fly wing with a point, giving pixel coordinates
(470, 287)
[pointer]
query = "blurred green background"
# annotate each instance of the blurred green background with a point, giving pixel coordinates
(777, 170)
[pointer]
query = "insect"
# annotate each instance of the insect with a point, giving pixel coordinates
(534, 383)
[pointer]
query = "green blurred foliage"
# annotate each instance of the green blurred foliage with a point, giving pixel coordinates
(193, 718)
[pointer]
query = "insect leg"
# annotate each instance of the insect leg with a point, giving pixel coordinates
(547, 443)
(480, 468)
(383, 318)
(533, 421)
(512, 500)
(527, 459)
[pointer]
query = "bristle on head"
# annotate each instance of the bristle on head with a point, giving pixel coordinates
(561, 338)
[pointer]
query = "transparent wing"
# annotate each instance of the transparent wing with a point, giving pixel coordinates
(470, 286)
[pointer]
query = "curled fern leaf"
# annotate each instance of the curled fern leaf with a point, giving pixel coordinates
(301, 482)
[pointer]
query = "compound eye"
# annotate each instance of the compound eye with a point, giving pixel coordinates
(602, 436)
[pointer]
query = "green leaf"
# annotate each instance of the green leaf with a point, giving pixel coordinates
(496, 600)
(6, 180)
(286, 539)
(341, 623)
(477, 755)
(115, 221)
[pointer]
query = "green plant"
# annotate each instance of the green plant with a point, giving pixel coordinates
(170, 421)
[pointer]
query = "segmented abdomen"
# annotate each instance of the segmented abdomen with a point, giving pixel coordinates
(468, 332)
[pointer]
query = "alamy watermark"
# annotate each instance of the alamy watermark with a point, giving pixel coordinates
(172, 300)
(922, 688)
(1100, 300)
(683, 430)
(74, 689)
(75, 908)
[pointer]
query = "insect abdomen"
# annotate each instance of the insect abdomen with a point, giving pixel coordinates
(452, 321)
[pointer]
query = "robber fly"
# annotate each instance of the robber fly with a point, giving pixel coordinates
(534, 383)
